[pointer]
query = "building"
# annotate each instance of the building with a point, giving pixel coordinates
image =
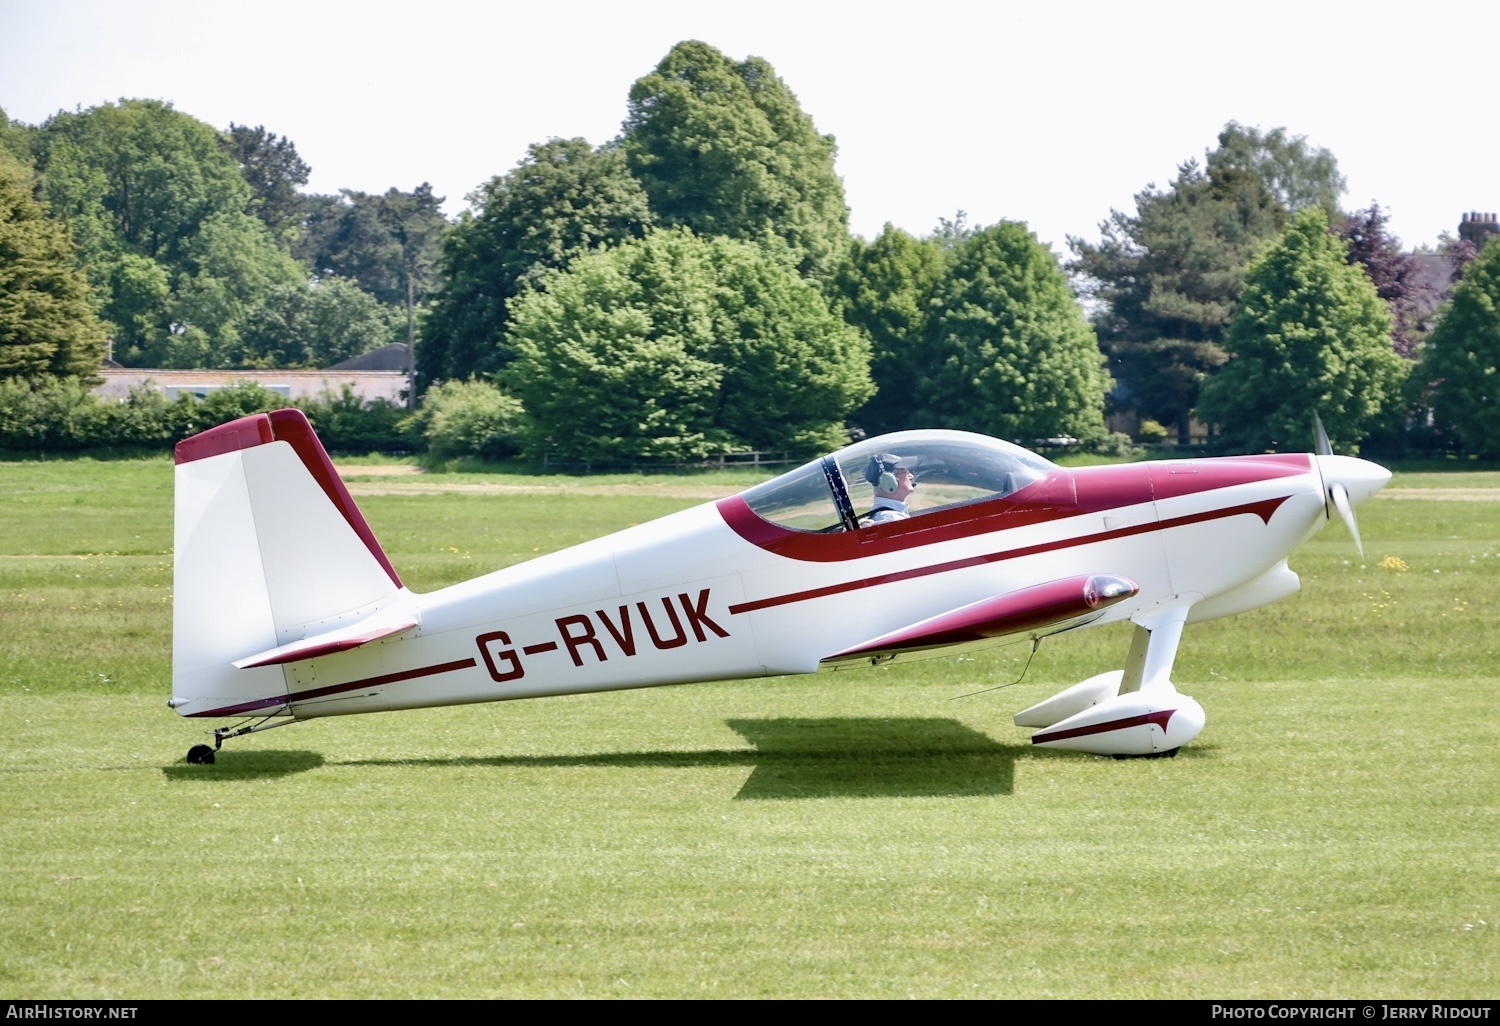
(380, 374)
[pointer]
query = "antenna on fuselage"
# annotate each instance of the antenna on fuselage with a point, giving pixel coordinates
(1036, 643)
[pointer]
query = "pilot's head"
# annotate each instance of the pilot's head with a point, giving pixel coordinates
(891, 475)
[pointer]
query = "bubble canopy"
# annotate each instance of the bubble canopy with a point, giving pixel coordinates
(831, 493)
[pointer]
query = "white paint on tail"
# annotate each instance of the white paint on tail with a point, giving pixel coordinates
(269, 551)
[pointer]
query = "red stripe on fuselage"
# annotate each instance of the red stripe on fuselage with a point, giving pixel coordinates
(1058, 496)
(1263, 509)
(335, 689)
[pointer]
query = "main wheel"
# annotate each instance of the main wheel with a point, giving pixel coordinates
(200, 755)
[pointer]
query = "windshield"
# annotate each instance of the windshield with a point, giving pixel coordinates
(950, 467)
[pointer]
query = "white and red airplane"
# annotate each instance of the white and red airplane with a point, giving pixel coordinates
(286, 608)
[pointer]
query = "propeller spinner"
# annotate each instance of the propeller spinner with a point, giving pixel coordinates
(1347, 481)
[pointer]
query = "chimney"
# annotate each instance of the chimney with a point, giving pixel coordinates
(1478, 227)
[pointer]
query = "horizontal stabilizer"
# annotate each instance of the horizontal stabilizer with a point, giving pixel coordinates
(325, 644)
(1040, 609)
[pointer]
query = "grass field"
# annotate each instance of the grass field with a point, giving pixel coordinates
(1333, 833)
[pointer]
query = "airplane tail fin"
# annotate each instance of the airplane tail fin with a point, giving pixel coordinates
(272, 562)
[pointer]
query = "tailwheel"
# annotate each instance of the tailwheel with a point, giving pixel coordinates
(200, 755)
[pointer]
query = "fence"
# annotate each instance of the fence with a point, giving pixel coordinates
(753, 460)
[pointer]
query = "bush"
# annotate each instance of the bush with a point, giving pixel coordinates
(347, 423)
(1116, 443)
(1150, 432)
(472, 418)
(47, 414)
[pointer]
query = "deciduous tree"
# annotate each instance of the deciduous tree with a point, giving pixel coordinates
(564, 199)
(1461, 359)
(676, 346)
(1396, 275)
(231, 267)
(15, 138)
(317, 325)
(1295, 173)
(157, 209)
(1009, 351)
(887, 290)
(725, 149)
(1311, 335)
(144, 175)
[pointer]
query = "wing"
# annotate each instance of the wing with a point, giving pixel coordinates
(1034, 611)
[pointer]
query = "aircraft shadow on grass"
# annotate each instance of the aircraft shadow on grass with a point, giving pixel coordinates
(246, 765)
(835, 757)
(874, 758)
(839, 757)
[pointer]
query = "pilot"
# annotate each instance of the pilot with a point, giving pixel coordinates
(894, 480)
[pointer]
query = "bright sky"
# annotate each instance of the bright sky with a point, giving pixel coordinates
(1048, 113)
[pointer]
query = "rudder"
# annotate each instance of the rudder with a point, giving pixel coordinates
(269, 549)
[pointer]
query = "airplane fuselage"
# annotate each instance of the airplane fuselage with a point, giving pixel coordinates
(716, 592)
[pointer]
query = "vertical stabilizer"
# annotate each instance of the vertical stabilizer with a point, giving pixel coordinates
(269, 549)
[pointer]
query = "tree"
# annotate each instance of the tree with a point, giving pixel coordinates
(887, 290)
(139, 173)
(565, 198)
(1168, 278)
(672, 346)
(386, 242)
(1311, 336)
(1296, 174)
(725, 149)
(472, 418)
(47, 322)
(157, 210)
(15, 138)
(416, 223)
(1396, 275)
(1009, 351)
(274, 171)
(316, 325)
(224, 277)
(1461, 359)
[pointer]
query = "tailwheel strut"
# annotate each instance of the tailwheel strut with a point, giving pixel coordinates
(202, 755)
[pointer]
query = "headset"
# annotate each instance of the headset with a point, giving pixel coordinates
(881, 472)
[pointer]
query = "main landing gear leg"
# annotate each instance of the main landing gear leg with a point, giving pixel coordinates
(1148, 667)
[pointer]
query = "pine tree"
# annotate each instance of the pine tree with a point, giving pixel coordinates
(47, 324)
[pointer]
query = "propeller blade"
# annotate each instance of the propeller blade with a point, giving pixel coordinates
(1340, 496)
(1320, 437)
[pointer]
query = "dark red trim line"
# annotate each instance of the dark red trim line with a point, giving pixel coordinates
(1058, 496)
(291, 426)
(1264, 508)
(1038, 606)
(1160, 718)
(334, 689)
(317, 648)
(244, 433)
